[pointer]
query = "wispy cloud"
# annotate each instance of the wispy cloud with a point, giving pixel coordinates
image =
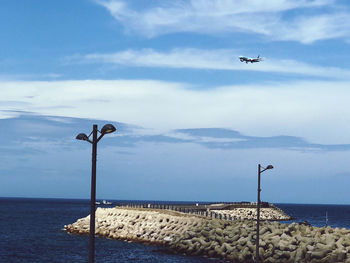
(48, 76)
(38, 134)
(55, 161)
(219, 59)
(230, 139)
(309, 109)
(318, 19)
(319, 27)
(26, 132)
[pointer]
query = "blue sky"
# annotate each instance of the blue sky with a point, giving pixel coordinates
(193, 121)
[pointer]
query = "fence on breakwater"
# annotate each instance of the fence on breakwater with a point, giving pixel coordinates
(205, 210)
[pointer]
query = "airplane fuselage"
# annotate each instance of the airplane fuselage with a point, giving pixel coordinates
(251, 60)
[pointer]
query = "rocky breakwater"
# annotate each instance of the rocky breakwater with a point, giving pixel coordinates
(235, 241)
(138, 225)
(230, 240)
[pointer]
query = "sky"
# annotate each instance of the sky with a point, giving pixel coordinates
(193, 122)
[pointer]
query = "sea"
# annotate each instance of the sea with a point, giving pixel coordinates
(31, 231)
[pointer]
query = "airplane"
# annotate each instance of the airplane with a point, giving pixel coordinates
(251, 60)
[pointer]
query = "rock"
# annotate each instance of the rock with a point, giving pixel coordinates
(167, 239)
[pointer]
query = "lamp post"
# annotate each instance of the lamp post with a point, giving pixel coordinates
(108, 128)
(260, 170)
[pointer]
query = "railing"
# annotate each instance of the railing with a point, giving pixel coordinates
(201, 210)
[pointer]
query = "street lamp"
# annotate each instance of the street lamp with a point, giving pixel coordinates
(260, 170)
(108, 128)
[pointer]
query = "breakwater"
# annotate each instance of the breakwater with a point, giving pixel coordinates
(230, 240)
(225, 211)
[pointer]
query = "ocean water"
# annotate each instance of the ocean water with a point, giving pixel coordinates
(31, 231)
(338, 215)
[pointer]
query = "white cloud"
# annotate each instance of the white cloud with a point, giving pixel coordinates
(222, 59)
(318, 27)
(314, 110)
(252, 16)
(201, 139)
(9, 77)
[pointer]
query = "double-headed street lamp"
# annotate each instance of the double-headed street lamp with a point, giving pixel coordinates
(260, 170)
(108, 128)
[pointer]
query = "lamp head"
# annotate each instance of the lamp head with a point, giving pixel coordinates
(269, 167)
(108, 128)
(82, 136)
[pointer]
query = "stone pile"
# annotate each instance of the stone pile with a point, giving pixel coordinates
(230, 240)
(251, 214)
(139, 225)
(278, 242)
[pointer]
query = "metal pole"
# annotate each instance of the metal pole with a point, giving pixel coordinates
(93, 196)
(258, 217)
